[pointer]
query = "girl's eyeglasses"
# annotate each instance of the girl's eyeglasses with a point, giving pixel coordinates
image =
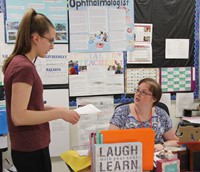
(51, 41)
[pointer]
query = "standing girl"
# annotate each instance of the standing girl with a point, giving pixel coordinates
(28, 117)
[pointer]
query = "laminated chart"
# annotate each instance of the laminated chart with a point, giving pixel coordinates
(134, 75)
(177, 79)
(54, 10)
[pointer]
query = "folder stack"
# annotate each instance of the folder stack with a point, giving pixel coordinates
(111, 145)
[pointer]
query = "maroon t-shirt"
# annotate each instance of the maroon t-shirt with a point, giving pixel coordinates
(26, 138)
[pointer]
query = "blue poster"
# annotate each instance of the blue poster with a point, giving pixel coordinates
(54, 10)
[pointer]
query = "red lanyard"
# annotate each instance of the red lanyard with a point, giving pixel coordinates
(141, 121)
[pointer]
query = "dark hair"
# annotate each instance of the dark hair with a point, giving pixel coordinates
(154, 87)
(32, 22)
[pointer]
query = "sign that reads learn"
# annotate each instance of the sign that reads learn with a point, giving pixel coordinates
(118, 157)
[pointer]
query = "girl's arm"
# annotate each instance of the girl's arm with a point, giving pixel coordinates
(22, 116)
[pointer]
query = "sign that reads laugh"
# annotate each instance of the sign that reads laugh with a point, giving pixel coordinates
(118, 157)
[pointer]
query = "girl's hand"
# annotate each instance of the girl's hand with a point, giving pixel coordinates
(70, 116)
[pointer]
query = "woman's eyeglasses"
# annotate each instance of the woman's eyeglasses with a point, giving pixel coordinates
(51, 41)
(143, 93)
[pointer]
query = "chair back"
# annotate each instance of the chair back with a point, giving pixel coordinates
(163, 106)
(159, 104)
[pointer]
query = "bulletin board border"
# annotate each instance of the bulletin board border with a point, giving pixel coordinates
(196, 48)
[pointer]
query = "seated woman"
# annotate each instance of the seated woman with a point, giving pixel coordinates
(144, 113)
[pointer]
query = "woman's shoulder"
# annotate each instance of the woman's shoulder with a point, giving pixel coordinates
(123, 108)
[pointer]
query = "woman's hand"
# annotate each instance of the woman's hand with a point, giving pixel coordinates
(158, 147)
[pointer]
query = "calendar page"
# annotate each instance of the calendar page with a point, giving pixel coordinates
(134, 75)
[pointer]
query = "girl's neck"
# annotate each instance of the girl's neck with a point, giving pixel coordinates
(31, 56)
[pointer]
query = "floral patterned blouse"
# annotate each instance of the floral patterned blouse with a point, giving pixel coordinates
(161, 122)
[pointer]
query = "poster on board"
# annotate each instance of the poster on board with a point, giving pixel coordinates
(142, 53)
(2, 33)
(5, 51)
(53, 69)
(96, 73)
(99, 26)
(54, 10)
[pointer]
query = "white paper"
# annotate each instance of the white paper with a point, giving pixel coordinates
(83, 152)
(88, 109)
(141, 54)
(177, 49)
(143, 33)
(193, 119)
(2, 33)
(94, 122)
(53, 69)
(5, 50)
(3, 142)
(166, 99)
(183, 101)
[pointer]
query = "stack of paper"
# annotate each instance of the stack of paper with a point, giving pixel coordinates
(88, 109)
(193, 119)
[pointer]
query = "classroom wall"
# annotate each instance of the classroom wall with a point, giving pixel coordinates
(58, 165)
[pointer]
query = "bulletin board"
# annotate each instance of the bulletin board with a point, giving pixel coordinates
(174, 22)
(171, 20)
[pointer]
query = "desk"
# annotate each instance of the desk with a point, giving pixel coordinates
(190, 137)
(194, 149)
(182, 153)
